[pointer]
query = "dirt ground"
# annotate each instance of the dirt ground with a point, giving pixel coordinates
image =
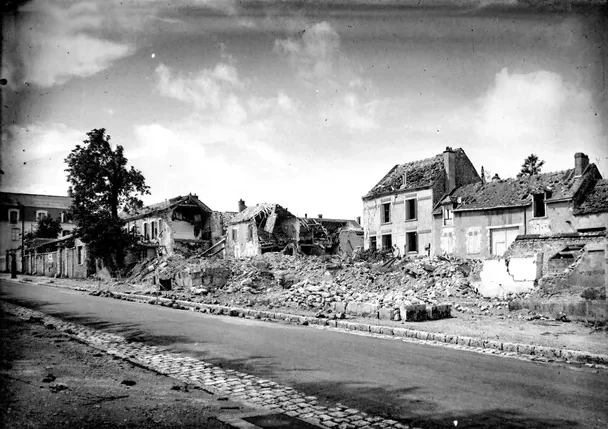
(51, 381)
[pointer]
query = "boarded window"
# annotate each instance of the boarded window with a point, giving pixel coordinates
(411, 242)
(473, 240)
(15, 234)
(387, 242)
(410, 209)
(386, 213)
(539, 205)
(80, 255)
(13, 216)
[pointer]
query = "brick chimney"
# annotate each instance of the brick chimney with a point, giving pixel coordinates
(449, 163)
(581, 161)
(320, 216)
(242, 205)
(358, 219)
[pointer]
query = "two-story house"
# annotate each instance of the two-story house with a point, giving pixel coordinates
(20, 213)
(480, 220)
(398, 210)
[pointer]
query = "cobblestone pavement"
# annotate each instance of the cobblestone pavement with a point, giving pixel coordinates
(244, 388)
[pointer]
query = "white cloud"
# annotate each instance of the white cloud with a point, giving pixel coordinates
(58, 43)
(33, 157)
(351, 112)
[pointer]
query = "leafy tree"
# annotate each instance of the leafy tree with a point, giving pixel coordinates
(102, 187)
(531, 166)
(47, 228)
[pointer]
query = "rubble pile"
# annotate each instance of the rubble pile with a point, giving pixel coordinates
(316, 282)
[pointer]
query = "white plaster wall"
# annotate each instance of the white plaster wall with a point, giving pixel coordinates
(498, 280)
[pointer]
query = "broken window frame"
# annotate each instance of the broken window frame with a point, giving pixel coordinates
(539, 205)
(411, 246)
(448, 215)
(16, 218)
(386, 213)
(411, 205)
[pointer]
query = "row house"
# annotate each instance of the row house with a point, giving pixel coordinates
(397, 211)
(481, 220)
(20, 213)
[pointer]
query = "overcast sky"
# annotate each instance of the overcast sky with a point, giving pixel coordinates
(308, 107)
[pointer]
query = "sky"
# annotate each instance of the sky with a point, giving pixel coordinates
(304, 104)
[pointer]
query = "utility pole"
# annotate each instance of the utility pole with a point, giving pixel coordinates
(22, 214)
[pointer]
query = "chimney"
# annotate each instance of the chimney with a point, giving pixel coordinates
(242, 205)
(496, 178)
(581, 161)
(70, 192)
(358, 219)
(320, 216)
(449, 163)
(305, 215)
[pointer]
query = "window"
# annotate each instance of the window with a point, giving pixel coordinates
(234, 234)
(13, 216)
(80, 255)
(410, 209)
(250, 232)
(153, 230)
(411, 242)
(473, 240)
(539, 205)
(146, 231)
(447, 215)
(41, 214)
(386, 213)
(15, 234)
(65, 232)
(64, 217)
(373, 243)
(387, 242)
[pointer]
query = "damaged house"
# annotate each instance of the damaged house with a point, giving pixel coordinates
(321, 236)
(398, 209)
(260, 229)
(178, 224)
(481, 220)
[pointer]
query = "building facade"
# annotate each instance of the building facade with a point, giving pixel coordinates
(20, 213)
(481, 220)
(398, 211)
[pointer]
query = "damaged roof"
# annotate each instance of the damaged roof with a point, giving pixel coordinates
(330, 223)
(516, 192)
(263, 208)
(165, 205)
(595, 201)
(418, 174)
(35, 200)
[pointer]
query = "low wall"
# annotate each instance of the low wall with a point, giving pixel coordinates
(501, 277)
(408, 313)
(592, 311)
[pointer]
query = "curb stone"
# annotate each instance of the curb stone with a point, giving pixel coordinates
(262, 395)
(520, 350)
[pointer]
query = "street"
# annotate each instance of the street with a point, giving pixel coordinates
(416, 384)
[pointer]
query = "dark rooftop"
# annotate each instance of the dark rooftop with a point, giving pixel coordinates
(516, 192)
(595, 201)
(35, 200)
(418, 174)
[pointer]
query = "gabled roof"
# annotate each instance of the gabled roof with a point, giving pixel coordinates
(35, 200)
(595, 201)
(516, 192)
(418, 174)
(165, 205)
(259, 209)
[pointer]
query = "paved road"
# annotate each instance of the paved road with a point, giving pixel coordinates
(429, 386)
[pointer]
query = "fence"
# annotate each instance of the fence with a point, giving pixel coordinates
(63, 262)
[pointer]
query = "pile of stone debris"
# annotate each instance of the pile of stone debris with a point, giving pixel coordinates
(316, 282)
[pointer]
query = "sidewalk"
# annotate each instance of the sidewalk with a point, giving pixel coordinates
(51, 381)
(543, 338)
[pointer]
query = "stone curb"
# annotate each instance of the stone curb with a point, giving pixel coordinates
(525, 350)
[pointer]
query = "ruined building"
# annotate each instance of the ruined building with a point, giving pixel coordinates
(178, 224)
(479, 220)
(398, 210)
(259, 229)
(322, 236)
